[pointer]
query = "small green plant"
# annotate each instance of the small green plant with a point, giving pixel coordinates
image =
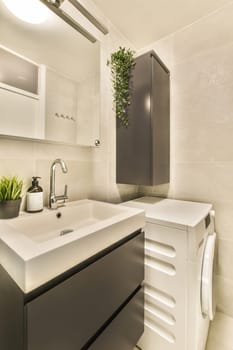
(121, 64)
(10, 188)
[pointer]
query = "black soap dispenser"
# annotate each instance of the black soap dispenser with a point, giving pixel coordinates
(35, 196)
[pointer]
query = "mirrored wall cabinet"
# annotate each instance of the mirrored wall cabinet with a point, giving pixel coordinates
(49, 82)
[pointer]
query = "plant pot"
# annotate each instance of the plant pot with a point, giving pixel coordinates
(9, 208)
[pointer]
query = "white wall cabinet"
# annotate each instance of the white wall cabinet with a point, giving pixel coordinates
(40, 103)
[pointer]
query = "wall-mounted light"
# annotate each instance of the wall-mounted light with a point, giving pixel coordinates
(63, 5)
(30, 11)
(67, 9)
(36, 11)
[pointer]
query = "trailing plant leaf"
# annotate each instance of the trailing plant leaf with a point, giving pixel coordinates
(10, 188)
(121, 64)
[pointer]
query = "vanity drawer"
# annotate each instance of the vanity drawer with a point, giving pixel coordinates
(68, 315)
(125, 329)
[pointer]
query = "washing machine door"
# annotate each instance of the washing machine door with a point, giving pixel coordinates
(208, 298)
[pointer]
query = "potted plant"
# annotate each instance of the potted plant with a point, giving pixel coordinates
(10, 197)
(122, 64)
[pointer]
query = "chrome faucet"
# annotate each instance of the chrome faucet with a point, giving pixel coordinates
(56, 201)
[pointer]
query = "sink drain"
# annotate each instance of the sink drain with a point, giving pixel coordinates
(65, 232)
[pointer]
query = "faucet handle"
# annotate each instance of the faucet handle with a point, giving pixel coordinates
(62, 198)
(65, 192)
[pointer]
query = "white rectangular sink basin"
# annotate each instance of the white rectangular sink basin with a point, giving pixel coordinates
(66, 220)
(34, 248)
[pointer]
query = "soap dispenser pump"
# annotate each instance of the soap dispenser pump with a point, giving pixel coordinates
(35, 196)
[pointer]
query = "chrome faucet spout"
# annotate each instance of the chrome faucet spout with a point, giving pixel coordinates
(63, 166)
(55, 201)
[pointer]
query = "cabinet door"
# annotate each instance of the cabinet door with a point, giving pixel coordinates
(143, 148)
(125, 329)
(19, 115)
(134, 142)
(160, 111)
(68, 315)
(11, 313)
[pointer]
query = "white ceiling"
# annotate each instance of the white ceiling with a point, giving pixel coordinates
(144, 22)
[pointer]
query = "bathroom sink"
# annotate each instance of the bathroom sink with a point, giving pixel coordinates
(34, 248)
(66, 220)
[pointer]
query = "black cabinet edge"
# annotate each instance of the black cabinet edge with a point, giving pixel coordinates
(77, 268)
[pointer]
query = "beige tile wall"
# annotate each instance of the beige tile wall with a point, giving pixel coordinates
(220, 334)
(26, 159)
(200, 58)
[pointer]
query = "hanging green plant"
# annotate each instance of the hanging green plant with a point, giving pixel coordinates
(121, 64)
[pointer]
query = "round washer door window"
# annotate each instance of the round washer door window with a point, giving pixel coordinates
(208, 299)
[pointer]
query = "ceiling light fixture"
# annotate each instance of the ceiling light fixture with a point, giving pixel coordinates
(82, 10)
(68, 11)
(30, 11)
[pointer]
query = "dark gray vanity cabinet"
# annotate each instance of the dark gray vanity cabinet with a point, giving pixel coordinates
(119, 335)
(143, 148)
(87, 306)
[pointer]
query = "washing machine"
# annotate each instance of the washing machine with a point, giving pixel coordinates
(179, 273)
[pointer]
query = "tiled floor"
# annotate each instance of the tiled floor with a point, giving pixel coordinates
(221, 333)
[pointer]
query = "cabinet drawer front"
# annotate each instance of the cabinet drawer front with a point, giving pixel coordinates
(125, 330)
(66, 316)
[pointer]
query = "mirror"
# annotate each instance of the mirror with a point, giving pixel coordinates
(49, 81)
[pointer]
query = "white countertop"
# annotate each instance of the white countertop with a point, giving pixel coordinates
(171, 212)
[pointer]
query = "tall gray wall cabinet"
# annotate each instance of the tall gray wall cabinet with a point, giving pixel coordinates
(143, 149)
